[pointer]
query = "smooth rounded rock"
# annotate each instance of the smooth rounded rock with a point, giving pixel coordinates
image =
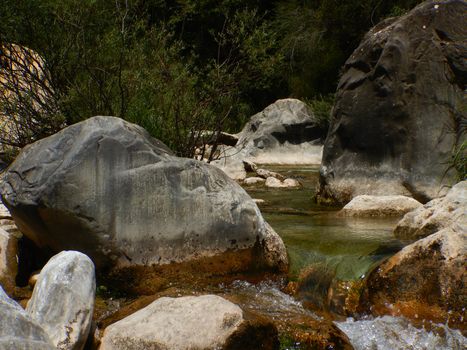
(366, 205)
(202, 323)
(63, 299)
(18, 330)
(253, 181)
(276, 183)
(400, 108)
(106, 188)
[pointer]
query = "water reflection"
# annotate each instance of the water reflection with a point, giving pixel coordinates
(315, 235)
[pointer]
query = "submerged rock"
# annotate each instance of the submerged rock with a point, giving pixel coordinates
(400, 106)
(63, 299)
(106, 188)
(365, 205)
(18, 330)
(203, 322)
(424, 281)
(437, 214)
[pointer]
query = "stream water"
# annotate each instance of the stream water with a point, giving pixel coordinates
(344, 249)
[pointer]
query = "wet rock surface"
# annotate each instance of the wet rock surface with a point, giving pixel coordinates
(425, 281)
(398, 112)
(63, 299)
(437, 214)
(124, 200)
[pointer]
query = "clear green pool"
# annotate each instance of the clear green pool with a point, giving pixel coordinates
(315, 235)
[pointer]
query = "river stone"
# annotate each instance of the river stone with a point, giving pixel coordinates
(8, 260)
(18, 330)
(366, 205)
(400, 108)
(253, 180)
(106, 188)
(285, 132)
(63, 299)
(192, 322)
(436, 215)
(267, 173)
(425, 280)
(276, 183)
(4, 212)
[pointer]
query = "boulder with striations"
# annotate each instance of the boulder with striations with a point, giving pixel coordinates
(106, 188)
(400, 108)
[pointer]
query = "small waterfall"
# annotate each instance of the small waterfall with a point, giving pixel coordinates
(395, 333)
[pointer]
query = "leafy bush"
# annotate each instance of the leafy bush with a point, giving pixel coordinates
(458, 161)
(321, 107)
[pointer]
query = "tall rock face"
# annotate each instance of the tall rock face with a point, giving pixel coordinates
(106, 188)
(400, 108)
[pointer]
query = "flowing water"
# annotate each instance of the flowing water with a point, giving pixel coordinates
(315, 235)
(344, 249)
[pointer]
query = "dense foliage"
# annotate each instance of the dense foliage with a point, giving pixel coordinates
(177, 66)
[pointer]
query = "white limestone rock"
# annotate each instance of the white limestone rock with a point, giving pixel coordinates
(276, 183)
(4, 212)
(63, 299)
(366, 205)
(17, 329)
(253, 180)
(437, 214)
(285, 132)
(192, 322)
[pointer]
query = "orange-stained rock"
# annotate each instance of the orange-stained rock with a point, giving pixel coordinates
(425, 280)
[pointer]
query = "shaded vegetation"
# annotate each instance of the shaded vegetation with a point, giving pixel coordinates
(177, 66)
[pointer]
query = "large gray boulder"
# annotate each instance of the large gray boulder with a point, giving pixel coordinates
(285, 132)
(106, 188)
(63, 299)
(437, 214)
(18, 330)
(400, 108)
(203, 323)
